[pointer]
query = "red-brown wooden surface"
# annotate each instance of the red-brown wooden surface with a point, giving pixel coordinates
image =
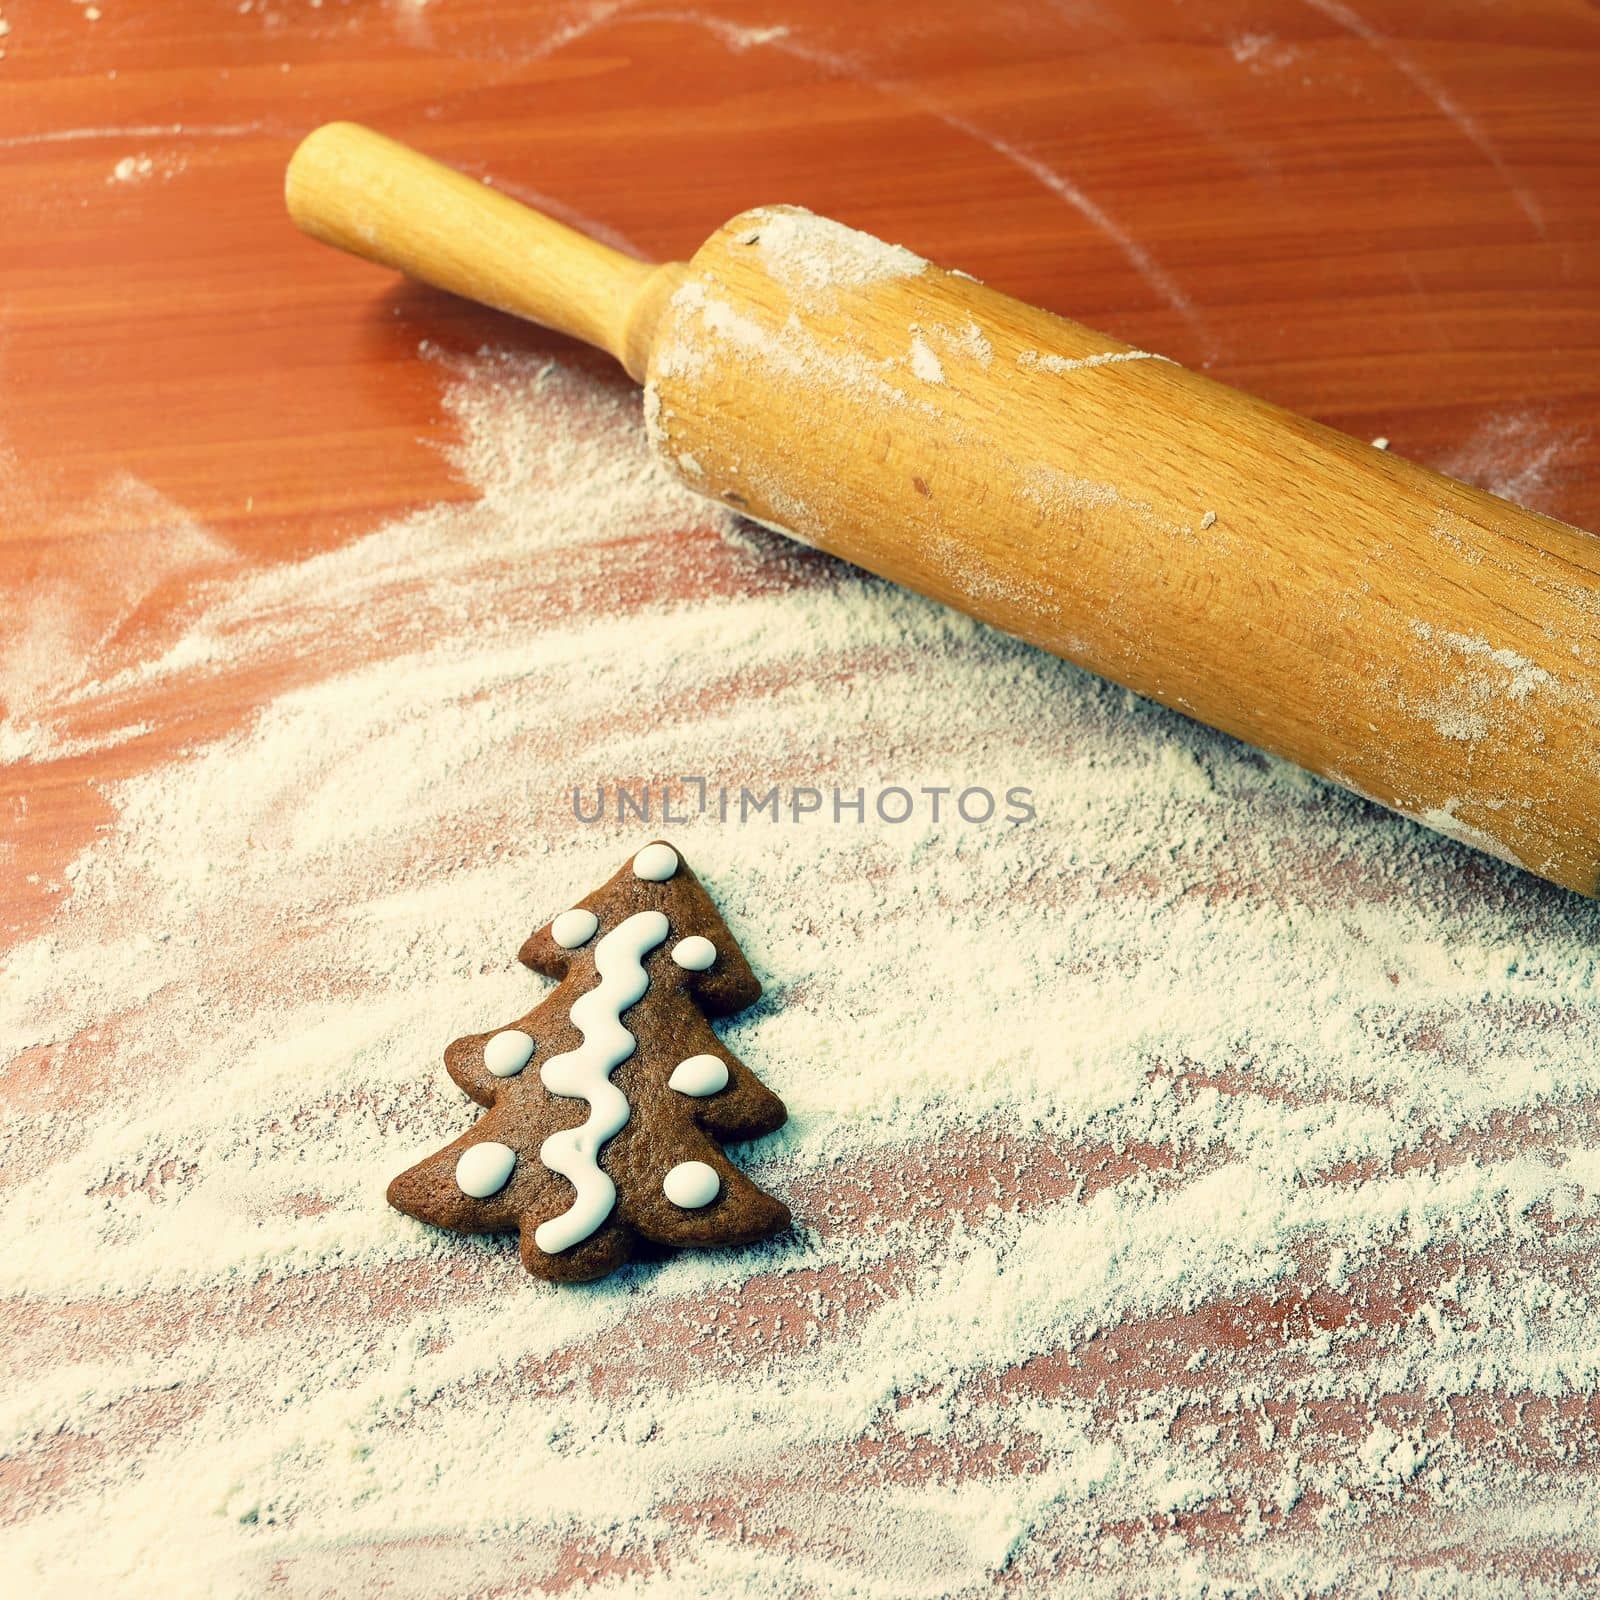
(1391, 223)
(1386, 217)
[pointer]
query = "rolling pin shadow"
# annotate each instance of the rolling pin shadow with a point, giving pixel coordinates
(1415, 640)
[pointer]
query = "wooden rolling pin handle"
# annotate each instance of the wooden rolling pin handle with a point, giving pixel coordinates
(371, 196)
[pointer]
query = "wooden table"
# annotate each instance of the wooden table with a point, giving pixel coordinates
(1387, 217)
(1389, 223)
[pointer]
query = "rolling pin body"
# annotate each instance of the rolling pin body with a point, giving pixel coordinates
(1413, 639)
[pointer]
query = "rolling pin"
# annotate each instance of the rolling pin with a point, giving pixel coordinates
(1417, 641)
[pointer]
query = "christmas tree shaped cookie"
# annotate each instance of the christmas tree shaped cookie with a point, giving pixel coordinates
(609, 1103)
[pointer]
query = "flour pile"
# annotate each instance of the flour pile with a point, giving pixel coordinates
(1195, 1183)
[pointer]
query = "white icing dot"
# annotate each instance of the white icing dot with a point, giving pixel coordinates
(691, 1184)
(508, 1053)
(574, 927)
(655, 863)
(699, 1075)
(694, 953)
(485, 1169)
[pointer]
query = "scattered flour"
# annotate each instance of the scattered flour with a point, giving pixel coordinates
(972, 344)
(1055, 491)
(1261, 52)
(1478, 684)
(924, 363)
(116, 550)
(807, 253)
(1444, 819)
(1522, 676)
(1054, 363)
(1196, 1186)
(133, 169)
(1516, 455)
(704, 327)
(741, 39)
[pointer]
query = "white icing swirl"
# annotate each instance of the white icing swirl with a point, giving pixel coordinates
(585, 1074)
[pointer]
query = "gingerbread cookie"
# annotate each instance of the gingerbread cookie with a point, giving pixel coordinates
(608, 1104)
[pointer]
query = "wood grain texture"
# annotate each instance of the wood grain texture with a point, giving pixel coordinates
(1391, 231)
(1386, 219)
(1423, 643)
(378, 199)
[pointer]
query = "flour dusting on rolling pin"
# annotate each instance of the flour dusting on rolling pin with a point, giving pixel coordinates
(1418, 641)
